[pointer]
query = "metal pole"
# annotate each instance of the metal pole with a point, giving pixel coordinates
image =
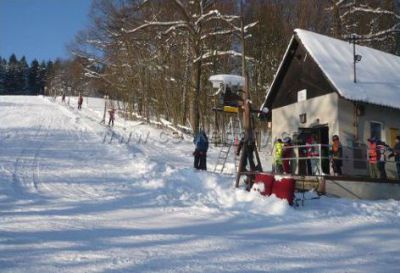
(354, 57)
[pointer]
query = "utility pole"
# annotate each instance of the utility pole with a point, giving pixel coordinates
(247, 124)
(356, 58)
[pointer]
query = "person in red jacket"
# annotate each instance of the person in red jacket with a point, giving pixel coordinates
(287, 155)
(313, 161)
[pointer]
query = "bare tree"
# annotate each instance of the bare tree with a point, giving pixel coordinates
(195, 20)
(376, 22)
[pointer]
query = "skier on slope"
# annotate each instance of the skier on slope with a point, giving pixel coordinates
(200, 152)
(80, 101)
(111, 114)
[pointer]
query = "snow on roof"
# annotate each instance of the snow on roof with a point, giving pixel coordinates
(226, 79)
(378, 73)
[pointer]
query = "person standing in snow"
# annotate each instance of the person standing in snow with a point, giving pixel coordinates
(111, 114)
(200, 152)
(80, 101)
(396, 154)
(63, 98)
(336, 153)
(249, 156)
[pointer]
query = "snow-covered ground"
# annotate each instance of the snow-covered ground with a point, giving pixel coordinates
(71, 201)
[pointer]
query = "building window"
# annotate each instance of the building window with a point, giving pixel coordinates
(376, 130)
(302, 95)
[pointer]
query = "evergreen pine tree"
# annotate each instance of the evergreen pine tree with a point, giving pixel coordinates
(33, 76)
(10, 84)
(22, 76)
(3, 70)
(42, 77)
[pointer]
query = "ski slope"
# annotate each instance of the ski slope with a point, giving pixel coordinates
(71, 201)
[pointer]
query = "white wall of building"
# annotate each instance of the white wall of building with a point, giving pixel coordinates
(319, 111)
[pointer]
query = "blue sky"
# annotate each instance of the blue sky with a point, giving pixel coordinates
(40, 28)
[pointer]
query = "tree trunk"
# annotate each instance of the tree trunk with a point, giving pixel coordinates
(195, 115)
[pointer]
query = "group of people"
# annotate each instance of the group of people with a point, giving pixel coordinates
(286, 160)
(111, 110)
(201, 147)
(378, 154)
(80, 100)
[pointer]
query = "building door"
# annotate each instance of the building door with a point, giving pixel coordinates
(321, 136)
(394, 132)
(376, 130)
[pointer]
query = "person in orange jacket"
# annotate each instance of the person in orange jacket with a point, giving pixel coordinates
(372, 158)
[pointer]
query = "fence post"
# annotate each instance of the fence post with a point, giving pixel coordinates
(112, 136)
(129, 138)
(320, 158)
(105, 136)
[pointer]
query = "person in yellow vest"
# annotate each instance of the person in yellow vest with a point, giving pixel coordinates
(278, 148)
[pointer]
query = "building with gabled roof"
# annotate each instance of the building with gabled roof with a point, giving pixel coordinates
(314, 92)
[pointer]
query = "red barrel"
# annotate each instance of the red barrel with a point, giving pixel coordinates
(268, 180)
(284, 189)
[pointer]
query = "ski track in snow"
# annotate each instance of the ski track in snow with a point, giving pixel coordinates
(71, 203)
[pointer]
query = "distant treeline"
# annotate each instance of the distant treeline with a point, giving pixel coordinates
(19, 78)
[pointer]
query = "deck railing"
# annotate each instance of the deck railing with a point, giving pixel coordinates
(355, 161)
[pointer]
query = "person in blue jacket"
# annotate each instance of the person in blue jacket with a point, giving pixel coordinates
(200, 153)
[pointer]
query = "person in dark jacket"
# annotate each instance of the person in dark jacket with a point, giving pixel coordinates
(336, 153)
(396, 153)
(111, 114)
(200, 152)
(80, 101)
(249, 156)
(381, 149)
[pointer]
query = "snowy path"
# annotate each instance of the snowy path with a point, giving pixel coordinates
(70, 203)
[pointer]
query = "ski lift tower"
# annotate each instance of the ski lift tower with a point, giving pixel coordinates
(230, 89)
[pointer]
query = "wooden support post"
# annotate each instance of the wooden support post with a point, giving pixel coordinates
(247, 124)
